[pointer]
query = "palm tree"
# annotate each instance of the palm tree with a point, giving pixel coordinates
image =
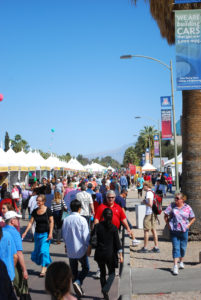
(147, 135)
(163, 12)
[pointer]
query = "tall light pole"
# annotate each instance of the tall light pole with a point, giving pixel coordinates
(159, 135)
(169, 67)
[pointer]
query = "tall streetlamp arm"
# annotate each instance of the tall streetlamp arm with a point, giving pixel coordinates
(147, 57)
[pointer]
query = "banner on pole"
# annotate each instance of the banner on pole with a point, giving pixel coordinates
(156, 145)
(165, 101)
(186, 1)
(166, 124)
(188, 49)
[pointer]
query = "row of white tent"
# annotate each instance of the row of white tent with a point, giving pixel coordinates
(33, 160)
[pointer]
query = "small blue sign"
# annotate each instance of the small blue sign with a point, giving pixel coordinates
(165, 101)
(156, 137)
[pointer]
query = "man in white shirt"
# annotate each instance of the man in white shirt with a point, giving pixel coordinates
(76, 237)
(86, 203)
(149, 220)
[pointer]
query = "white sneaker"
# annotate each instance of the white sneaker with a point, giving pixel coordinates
(135, 242)
(175, 270)
(181, 265)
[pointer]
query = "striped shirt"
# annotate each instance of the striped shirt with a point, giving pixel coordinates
(57, 207)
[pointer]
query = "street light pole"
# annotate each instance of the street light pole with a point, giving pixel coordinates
(169, 67)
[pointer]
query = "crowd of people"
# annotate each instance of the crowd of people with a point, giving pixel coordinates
(86, 212)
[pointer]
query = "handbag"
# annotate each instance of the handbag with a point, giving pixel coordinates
(94, 239)
(166, 232)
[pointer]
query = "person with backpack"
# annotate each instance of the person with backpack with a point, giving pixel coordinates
(150, 219)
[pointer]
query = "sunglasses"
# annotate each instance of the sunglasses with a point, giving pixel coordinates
(177, 198)
(110, 197)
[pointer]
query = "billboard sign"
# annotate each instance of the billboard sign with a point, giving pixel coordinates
(188, 49)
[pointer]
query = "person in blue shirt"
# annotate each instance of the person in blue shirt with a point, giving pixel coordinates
(76, 237)
(11, 219)
(123, 182)
(89, 190)
(8, 252)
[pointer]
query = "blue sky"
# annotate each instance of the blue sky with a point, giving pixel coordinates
(60, 68)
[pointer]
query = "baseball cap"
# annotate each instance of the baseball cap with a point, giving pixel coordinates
(11, 214)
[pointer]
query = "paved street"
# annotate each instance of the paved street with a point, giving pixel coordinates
(91, 285)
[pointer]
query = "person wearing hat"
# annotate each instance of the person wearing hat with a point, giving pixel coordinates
(11, 219)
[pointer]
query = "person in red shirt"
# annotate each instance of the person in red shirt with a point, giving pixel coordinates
(118, 213)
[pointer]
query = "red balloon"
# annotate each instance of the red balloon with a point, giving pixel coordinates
(1, 97)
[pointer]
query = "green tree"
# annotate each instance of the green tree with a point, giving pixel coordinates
(45, 155)
(18, 144)
(83, 160)
(6, 142)
(130, 157)
(147, 135)
(66, 157)
(109, 161)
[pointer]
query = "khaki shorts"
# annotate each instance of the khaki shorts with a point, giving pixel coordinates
(149, 222)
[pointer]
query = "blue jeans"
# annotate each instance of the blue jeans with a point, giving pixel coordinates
(169, 187)
(179, 243)
(79, 277)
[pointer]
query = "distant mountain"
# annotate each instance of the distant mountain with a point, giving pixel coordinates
(117, 154)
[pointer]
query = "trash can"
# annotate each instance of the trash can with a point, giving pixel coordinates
(140, 214)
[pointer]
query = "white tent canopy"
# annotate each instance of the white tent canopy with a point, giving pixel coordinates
(148, 167)
(111, 168)
(171, 161)
(95, 167)
(74, 164)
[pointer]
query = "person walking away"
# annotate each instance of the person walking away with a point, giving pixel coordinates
(57, 208)
(58, 281)
(140, 182)
(3, 190)
(107, 249)
(21, 276)
(25, 199)
(149, 222)
(86, 202)
(179, 216)
(123, 182)
(76, 236)
(42, 215)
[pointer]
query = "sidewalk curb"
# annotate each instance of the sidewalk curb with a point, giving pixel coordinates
(125, 288)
